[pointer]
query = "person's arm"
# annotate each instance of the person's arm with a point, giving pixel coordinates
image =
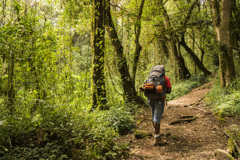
(168, 90)
(168, 85)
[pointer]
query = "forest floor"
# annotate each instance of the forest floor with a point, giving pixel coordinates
(196, 139)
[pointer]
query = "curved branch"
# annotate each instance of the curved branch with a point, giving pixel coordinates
(194, 57)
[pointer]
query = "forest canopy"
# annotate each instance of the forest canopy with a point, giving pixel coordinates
(64, 64)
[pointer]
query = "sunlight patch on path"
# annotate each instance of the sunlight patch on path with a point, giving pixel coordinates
(193, 97)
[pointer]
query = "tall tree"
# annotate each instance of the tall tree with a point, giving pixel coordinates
(182, 71)
(221, 19)
(194, 57)
(235, 22)
(138, 47)
(98, 45)
(127, 82)
(183, 43)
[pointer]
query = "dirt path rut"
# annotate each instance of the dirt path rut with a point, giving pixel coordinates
(196, 139)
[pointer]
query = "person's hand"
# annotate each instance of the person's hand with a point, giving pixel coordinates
(168, 90)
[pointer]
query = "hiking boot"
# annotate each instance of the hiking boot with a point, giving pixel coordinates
(157, 140)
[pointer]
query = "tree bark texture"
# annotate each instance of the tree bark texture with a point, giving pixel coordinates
(138, 46)
(194, 57)
(98, 45)
(127, 83)
(185, 46)
(181, 69)
(221, 19)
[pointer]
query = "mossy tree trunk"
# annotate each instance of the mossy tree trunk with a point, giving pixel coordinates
(196, 60)
(127, 82)
(221, 18)
(98, 45)
(183, 43)
(182, 71)
(138, 47)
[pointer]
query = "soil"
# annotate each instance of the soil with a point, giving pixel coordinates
(196, 139)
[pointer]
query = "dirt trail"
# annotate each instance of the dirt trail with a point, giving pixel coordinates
(194, 140)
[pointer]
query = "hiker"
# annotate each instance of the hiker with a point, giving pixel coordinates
(156, 99)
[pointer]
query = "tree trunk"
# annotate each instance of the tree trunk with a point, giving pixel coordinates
(181, 69)
(221, 19)
(194, 57)
(235, 26)
(98, 45)
(128, 87)
(185, 46)
(138, 46)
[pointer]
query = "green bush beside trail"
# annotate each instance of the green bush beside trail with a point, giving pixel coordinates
(63, 132)
(225, 101)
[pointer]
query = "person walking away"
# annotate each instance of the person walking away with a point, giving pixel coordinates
(155, 89)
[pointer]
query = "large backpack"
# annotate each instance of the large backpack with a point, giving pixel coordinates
(154, 87)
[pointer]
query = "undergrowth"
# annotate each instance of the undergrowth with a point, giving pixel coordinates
(119, 118)
(63, 132)
(186, 86)
(225, 101)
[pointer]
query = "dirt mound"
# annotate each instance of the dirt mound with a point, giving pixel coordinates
(189, 131)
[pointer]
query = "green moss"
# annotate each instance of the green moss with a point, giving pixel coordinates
(231, 147)
(142, 134)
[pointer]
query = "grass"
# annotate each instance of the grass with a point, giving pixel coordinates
(225, 101)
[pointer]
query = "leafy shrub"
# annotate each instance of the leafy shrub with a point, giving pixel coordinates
(58, 132)
(225, 101)
(119, 118)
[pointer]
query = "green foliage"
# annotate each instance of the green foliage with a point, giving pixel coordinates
(49, 119)
(225, 101)
(119, 118)
(58, 132)
(37, 137)
(185, 87)
(45, 74)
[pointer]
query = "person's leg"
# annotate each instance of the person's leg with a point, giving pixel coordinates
(152, 105)
(156, 128)
(158, 112)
